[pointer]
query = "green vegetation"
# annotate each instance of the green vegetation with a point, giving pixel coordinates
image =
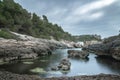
(28, 62)
(14, 18)
(6, 34)
(38, 70)
(87, 37)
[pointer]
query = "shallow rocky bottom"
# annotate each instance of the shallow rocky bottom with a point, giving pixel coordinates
(4, 75)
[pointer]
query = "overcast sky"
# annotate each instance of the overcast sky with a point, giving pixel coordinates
(79, 16)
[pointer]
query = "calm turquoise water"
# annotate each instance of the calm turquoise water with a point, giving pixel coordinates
(90, 66)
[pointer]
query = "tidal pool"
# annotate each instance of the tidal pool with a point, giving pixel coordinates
(42, 66)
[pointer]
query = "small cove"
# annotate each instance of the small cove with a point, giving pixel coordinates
(42, 66)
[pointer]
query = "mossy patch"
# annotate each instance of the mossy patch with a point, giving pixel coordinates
(2, 62)
(55, 72)
(7, 35)
(43, 60)
(28, 62)
(38, 70)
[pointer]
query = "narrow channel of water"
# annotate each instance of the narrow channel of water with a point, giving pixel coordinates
(42, 66)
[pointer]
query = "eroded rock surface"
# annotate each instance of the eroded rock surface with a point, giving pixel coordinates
(110, 47)
(64, 65)
(13, 49)
(77, 54)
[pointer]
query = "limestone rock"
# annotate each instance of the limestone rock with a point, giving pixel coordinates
(64, 65)
(77, 53)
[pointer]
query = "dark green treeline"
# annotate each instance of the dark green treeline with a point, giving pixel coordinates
(14, 18)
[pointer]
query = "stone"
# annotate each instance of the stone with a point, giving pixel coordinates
(65, 68)
(55, 68)
(64, 65)
(77, 54)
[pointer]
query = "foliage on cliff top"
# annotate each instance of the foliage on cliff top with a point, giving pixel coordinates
(7, 35)
(14, 18)
(87, 37)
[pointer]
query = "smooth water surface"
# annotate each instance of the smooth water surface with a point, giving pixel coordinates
(42, 66)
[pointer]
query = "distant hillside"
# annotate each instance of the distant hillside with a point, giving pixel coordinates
(14, 18)
(87, 37)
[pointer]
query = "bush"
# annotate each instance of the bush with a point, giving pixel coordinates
(7, 35)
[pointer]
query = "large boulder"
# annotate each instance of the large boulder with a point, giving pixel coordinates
(64, 65)
(77, 53)
(55, 68)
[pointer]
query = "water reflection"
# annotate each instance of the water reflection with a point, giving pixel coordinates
(80, 60)
(109, 63)
(65, 72)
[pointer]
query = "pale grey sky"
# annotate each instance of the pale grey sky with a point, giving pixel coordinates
(79, 16)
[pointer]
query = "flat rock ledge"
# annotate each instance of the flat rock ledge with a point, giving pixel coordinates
(11, 76)
(77, 54)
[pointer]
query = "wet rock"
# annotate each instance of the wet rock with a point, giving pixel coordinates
(55, 68)
(77, 54)
(65, 68)
(64, 65)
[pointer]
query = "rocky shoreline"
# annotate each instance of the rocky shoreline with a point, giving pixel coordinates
(109, 47)
(31, 48)
(11, 76)
(28, 47)
(17, 50)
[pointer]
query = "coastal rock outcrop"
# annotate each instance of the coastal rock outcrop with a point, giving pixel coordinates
(109, 47)
(92, 42)
(11, 49)
(77, 53)
(30, 47)
(64, 65)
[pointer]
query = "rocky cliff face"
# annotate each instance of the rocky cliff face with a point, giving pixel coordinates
(29, 47)
(13, 49)
(110, 47)
(26, 47)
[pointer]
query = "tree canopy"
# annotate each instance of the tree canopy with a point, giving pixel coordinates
(14, 18)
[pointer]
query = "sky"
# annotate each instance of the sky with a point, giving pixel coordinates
(79, 17)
